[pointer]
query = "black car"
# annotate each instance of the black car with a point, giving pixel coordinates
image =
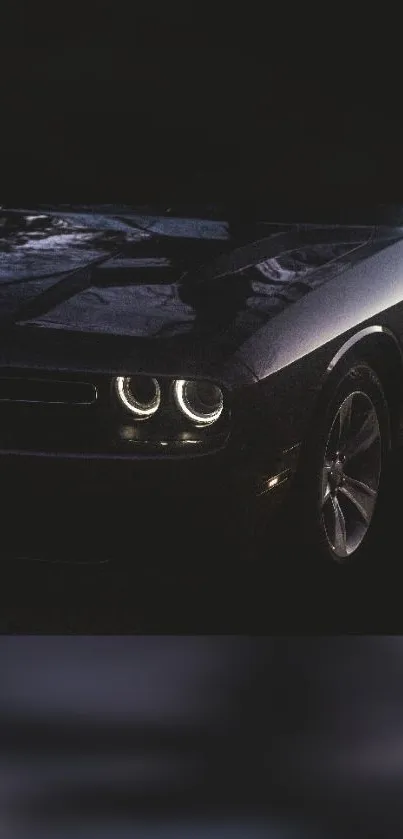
(216, 364)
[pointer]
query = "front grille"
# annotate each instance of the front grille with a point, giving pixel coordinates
(50, 411)
(46, 391)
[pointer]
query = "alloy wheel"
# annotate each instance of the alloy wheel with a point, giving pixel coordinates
(351, 474)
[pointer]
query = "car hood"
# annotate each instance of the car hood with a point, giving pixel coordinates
(176, 287)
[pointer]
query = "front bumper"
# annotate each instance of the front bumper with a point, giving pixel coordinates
(88, 509)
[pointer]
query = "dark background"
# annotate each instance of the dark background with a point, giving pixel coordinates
(182, 101)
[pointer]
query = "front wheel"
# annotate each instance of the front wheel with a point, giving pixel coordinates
(341, 470)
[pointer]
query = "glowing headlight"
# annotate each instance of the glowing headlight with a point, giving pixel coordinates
(140, 394)
(201, 402)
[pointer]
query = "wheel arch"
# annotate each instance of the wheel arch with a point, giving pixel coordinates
(379, 347)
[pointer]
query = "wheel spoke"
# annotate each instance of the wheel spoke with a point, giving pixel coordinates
(345, 419)
(325, 483)
(363, 438)
(340, 536)
(361, 495)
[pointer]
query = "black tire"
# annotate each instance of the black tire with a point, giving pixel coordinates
(352, 380)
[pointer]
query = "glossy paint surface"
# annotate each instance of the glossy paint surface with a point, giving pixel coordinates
(161, 278)
(261, 306)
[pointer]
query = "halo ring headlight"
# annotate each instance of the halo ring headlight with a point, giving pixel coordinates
(139, 394)
(201, 402)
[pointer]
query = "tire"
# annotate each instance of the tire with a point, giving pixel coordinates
(335, 518)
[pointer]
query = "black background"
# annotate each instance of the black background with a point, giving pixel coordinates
(185, 101)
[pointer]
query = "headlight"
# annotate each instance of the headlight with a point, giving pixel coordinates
(201, 402)
(140, 394)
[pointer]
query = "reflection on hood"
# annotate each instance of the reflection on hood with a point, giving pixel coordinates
(163, 309)
(33, 245)
(147, 276)
(39, 249)
(138, 310)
